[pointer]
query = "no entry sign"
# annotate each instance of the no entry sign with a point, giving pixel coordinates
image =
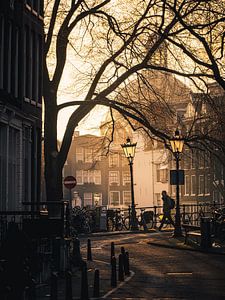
(70, 182)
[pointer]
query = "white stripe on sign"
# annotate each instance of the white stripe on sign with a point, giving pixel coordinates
(69, 181)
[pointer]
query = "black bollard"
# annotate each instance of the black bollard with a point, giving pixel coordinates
(122, 250)
(127, 264)
(76, 255)
(112, 251)
(113, 272)
(84, 282)
(56, 253)
(69, 291)
(31, 292)
(121, 268)
(89, 255)
(96, 290)
(54, 286)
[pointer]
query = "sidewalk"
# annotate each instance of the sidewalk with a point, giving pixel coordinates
(165, 239)
(156, 239)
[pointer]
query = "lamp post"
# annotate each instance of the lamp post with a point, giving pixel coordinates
(129, 151)
(177, 144)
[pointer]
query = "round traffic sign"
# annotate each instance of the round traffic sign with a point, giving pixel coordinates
(70, 182)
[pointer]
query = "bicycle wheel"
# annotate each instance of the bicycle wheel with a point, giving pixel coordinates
(150, 224)
(110, 225)
(126, 223)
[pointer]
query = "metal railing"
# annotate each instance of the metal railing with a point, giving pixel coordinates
(41, 232)
(190, 214)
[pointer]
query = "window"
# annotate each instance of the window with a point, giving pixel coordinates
(193, 184)
(27, 163)
(193, 160)
(35, 54)
(79, 177)
(114, 198)
(87, 199)
(27, 60)
(126, 177)
(127, 198)
(161, 173)
(1, 50)
(88, 176)
(97, 177)
(114, 160)
(201, 185)
(207, 159)
(15, 62)
(3, 165)
(79, 154)
(207, 184)
(97, 198)
(113, 177)
(187, 159)
(201, 159)
(88, 156)
(8, 57)
(14, 172)
(187, 185)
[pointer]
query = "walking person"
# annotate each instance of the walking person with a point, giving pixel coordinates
(167, 206)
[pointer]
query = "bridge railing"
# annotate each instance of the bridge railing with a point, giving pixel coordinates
(190, 213)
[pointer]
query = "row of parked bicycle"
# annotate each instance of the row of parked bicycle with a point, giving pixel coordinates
(85, 220)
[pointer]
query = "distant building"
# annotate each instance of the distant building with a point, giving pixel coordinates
(21, 46)
(151, 176)
(203, 172)
(102, 178)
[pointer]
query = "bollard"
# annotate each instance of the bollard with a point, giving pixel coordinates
(121, 268)
(205, 233)
(89, 255)
(96, 290)
(76, 255)
(69, 291)
(56, 253)
(31, 292)
(84, 282)
(113, 272)
(54, 286)
(112, 251)
(122, 250)
(127, 264)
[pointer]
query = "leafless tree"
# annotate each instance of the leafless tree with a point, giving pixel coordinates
(116, 41)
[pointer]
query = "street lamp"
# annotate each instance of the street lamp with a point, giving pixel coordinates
(177, 144)
(129, 151)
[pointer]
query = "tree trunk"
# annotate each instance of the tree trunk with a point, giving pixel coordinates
(53, 167)
(53, 179)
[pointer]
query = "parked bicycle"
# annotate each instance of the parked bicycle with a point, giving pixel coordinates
(218, 223)
(145, 219)
(116, 220)
(81, 220)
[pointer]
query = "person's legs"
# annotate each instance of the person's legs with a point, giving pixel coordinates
(162, 222)
(170, 220)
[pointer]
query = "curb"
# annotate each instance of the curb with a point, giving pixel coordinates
(209, 251)
(106, 233)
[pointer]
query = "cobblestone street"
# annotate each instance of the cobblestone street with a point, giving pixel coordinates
(158, 271)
